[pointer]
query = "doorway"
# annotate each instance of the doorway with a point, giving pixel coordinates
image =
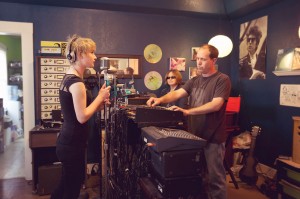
(25, 30)
(12, 137)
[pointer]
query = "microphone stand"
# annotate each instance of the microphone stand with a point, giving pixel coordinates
(106, 130)
(109, 126)
(103, 185)
(99, 126)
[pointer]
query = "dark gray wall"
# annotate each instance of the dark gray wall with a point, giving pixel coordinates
(260, 98)
(121, 32)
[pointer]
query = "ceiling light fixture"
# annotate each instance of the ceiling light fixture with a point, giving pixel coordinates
(223, 44)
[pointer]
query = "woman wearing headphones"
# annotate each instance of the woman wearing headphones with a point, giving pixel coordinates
(77, 109)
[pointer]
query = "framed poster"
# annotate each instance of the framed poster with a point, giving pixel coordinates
(177, 63)
(253, 43)
(290, 95)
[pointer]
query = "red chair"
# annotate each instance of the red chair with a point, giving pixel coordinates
(232, 113)
(232, 126)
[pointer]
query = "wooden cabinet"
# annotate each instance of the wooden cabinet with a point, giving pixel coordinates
(49, 73)
(288, 171)
(288, 179)
(42, 142)
(296, 140)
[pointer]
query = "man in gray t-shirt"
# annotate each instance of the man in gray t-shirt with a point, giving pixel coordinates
(208, 94)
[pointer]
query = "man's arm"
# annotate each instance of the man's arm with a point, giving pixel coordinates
(209, 107)
(169, 97)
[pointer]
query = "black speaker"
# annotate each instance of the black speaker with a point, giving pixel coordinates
(56, 115)
(178, 187)
(148, 189)
(178, 163)
(48, 178)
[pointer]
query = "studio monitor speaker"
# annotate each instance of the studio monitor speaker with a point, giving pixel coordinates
(48, 178)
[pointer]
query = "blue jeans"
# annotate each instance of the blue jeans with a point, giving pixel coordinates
(216, 177)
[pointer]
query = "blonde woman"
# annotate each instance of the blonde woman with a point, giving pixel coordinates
(77, 109)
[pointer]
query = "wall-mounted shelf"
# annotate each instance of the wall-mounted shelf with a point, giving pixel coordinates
(288, 62)
(287, 73)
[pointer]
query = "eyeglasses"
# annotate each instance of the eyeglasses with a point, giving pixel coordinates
(251, 39)
(172, 77)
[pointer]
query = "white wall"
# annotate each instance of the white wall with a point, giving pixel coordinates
(25, 30)
(3, 69)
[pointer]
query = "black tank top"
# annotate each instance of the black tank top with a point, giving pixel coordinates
(73, 133)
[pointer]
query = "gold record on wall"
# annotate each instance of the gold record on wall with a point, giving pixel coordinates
(152, 53)
(153, 80)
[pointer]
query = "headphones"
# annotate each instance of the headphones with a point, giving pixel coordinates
(72, 56)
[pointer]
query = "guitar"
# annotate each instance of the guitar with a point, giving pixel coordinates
(248, 172)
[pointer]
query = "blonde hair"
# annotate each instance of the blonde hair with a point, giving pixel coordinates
(77, 45)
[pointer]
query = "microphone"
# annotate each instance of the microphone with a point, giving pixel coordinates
(104, 66)
(104, 63)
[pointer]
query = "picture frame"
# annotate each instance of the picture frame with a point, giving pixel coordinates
(177, 63)
(192, 72)
(287, 62)
(251, 31)
(121, 63)
(194, 53)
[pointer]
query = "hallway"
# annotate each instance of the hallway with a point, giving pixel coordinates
(13, 160)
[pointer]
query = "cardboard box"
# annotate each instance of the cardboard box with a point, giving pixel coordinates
(296, 140)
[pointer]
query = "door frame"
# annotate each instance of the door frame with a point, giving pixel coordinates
(25, 30)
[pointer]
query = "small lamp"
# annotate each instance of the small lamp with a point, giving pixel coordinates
(223, 44)
(299, 32)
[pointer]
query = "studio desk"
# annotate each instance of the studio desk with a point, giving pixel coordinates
(42, 142)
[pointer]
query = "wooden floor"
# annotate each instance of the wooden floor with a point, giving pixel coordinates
(14, 186)
(13, 160)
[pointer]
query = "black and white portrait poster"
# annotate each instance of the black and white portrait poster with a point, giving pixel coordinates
(253, 42)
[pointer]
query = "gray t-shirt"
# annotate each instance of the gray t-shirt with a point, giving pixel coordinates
(202, 90)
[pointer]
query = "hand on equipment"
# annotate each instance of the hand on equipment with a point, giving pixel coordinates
(153, 101)
(176, 108)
